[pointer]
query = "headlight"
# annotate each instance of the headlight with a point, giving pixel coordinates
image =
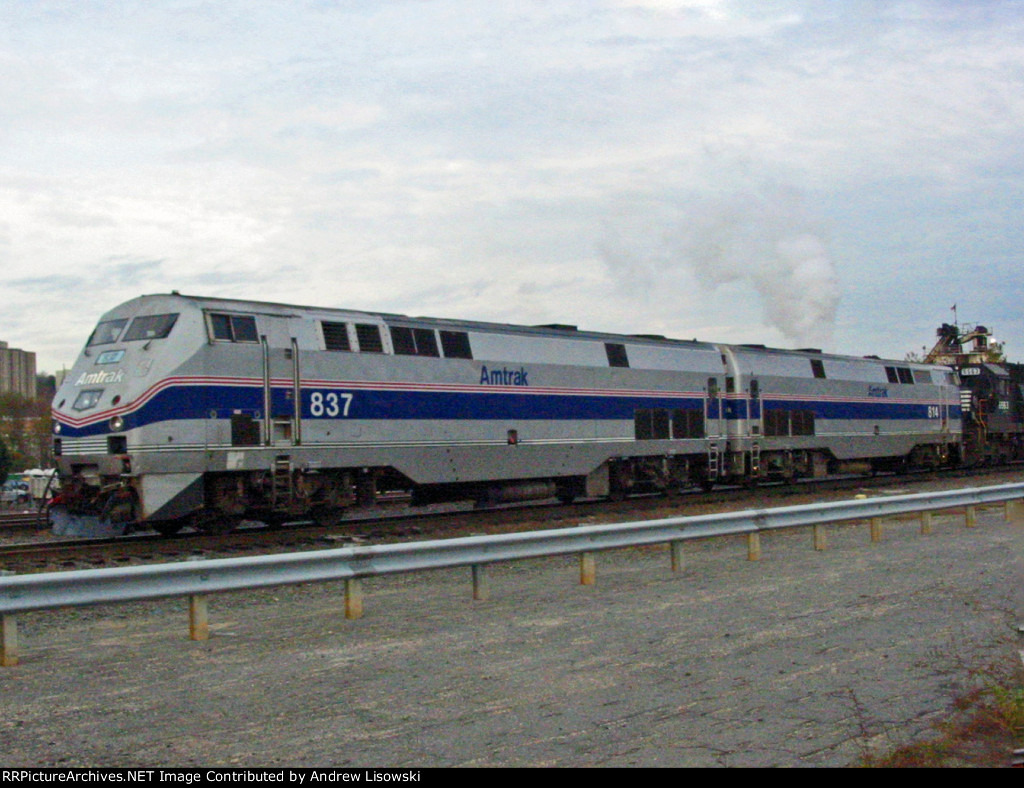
(117, 424)
(56, 428)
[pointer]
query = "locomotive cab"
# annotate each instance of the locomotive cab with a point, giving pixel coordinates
(95, 413)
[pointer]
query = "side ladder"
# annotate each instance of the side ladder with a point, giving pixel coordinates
(714, 461)
(282, 489)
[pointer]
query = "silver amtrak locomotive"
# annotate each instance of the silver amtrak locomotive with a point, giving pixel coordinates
(196, 411)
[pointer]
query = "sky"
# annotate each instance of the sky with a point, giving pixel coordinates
(797, 174)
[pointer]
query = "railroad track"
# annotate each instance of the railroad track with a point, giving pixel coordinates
(51, 553)
(20, 521)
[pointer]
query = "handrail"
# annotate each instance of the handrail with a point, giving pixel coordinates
(197, 578)
(268, 422)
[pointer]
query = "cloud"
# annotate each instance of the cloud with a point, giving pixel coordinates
(657, 166)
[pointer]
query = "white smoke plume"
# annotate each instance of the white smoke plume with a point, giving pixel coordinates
(765, 240)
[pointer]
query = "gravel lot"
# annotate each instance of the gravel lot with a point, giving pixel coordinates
(804, 658)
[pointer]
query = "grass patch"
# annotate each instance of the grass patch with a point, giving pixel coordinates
(983, 729)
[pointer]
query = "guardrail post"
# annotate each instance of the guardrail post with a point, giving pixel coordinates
(198, 618)
(819, 537)
(676, 551)
(8, 641)
(588, 569)
(1014, 510)
(876, 529)
(926, 522)
(971, 516)
(753, 546)
(480, 588)
(353, 598)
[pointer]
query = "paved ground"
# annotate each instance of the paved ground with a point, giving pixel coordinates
(802, 659)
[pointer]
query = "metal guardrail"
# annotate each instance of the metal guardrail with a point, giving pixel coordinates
(198, 578)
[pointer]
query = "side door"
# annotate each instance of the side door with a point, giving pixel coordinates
(282, 380)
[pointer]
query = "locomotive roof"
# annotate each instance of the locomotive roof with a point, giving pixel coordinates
(553, 329)
(549, 329)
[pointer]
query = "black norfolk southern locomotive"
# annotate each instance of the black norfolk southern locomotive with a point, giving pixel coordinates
(991, 393)
(201, 412)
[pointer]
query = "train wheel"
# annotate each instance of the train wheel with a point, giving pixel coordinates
(328, 516)
(167, 527)
(622, 480)
(214, 522)
(568, 491)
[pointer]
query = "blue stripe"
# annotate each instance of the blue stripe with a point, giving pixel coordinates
(403, 405)
(865, 411)
(203, 402)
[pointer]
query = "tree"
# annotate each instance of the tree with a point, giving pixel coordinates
(5, 462)
(25, 427)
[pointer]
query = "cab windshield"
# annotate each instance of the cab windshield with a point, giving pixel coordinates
(107, 332)
(150, 327)
(142, 328)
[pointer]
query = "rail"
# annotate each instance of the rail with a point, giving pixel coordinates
(196, 579)
(21, 520)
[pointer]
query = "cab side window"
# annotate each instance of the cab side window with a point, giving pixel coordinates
(233, 328)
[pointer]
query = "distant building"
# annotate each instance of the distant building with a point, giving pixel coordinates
(17, 372)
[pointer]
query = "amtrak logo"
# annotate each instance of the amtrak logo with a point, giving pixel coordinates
(94, 378)
(504, 377)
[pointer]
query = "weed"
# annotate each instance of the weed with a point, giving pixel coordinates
(985, 725)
